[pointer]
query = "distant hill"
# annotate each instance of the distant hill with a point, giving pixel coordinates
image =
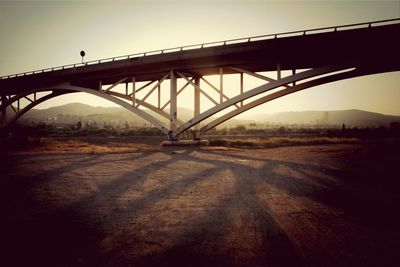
(71, 109)
(352, 117)
(74, 112)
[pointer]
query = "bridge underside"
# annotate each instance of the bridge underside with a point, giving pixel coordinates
(137, 84)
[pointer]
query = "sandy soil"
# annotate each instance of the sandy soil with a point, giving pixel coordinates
(326, 205)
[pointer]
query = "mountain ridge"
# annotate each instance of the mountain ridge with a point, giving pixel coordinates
(354, 117)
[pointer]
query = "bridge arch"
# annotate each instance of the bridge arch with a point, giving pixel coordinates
(278, 94)
(67, 88)
(270, 85)
(346, 73)
(18, 112)
(290, 84)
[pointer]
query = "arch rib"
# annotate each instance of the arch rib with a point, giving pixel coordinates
(14, 98)
(28, 107)
(117, 101)
(346, 74)
(275, 95)
(258, 90)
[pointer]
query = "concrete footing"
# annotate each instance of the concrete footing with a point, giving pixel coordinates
(185, 143)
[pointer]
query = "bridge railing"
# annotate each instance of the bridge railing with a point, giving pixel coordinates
(213, 44)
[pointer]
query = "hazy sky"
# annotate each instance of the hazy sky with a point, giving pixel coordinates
(37, 35)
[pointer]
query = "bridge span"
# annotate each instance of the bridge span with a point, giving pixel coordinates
(313, 57)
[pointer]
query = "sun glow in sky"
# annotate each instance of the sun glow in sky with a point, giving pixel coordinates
(36, 35)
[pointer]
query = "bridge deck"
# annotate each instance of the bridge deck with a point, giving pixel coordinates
(368, 46)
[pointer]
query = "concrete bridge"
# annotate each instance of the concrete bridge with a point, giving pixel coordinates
(314, 57)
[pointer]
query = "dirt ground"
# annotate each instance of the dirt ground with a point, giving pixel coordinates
(322, 205)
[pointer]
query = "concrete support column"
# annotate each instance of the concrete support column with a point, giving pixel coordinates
(241, 87)
(133, 91)
(196, 133)
(293, 73)
(278, 69)
(221, 85)
(159, 95)
(173, 107)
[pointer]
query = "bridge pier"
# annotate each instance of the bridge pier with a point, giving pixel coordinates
(196, 130)
(173, 108)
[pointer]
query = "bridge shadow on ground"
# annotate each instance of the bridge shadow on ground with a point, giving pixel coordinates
(191, 207)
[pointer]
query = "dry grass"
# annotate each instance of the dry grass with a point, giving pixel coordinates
(269, 142)
(48, 144)
(127, 145)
